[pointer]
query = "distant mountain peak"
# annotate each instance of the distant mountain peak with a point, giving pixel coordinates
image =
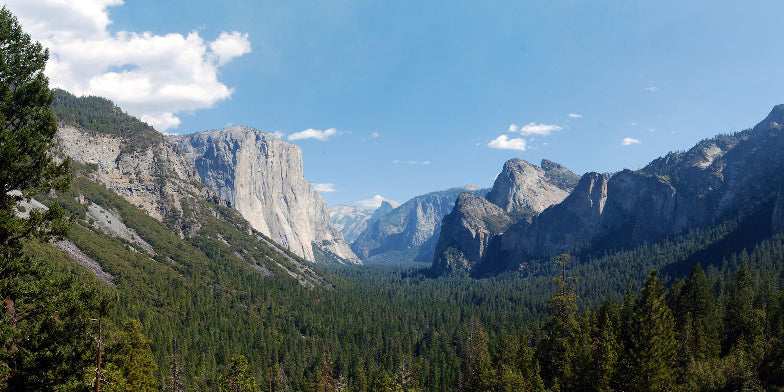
(774, 120)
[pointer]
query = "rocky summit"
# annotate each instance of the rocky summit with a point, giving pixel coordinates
(263, 178)
(520, 192)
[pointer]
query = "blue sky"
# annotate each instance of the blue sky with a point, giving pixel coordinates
(417, 90)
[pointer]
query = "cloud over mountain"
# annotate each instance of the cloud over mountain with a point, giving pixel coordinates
(152, 76)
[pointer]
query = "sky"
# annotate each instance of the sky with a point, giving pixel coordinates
(392, 99)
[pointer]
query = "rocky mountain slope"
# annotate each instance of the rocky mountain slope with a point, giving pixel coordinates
(716, 179)
(410, 231)
(263, 178)
(352, 220)
(132, 185)
(520, 192)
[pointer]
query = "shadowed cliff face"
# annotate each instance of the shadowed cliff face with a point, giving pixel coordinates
(716, 178)
(520, 192)
(262, 177)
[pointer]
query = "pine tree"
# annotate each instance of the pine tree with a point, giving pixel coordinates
(558, 347)
(605, 360)
(742, 324)
(652, 350)
(32, 301)
(238, 376)
(477, 368)
(277, 379)
(27, 130)
(131, 361)
(697, 318)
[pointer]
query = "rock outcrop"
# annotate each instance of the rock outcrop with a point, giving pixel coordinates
(410, 231)
(157, 178)
(520, 192)
(466, 232)
(262, 177)
(526, 190)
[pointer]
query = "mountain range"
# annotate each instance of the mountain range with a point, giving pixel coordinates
(715, 180)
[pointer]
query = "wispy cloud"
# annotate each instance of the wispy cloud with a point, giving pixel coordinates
(651, 89)
(278, 134)
(503, 142)
(513, 128)
(628, 141)
(375, 135)
(539, 129)
(313, 134)
(399, 162)
(324, 188)
(152, 76)
(575, 115)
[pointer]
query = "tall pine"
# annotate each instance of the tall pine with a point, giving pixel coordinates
(652, 347)
(558, 347)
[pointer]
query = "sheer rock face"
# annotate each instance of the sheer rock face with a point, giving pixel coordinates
(520, 192)
(466, 232)
(262, 177)
(157, 179)
(410, 231)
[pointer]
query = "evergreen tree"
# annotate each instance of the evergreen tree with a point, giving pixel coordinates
(27, 130)
(558, 347)
(44, 320)
(238, 376)
(607, 352)
(696, 318)
(652, 351)
(130, 363)
(742, 321)
(477, 368)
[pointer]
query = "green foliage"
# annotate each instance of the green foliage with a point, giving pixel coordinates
(558, 347)
(650, 358)
(130, 363)
(477, 368)
(238, 377)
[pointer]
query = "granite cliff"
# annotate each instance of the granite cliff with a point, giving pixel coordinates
(263, 178)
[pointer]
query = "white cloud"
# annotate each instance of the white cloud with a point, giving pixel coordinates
(325, 188)
(278, 134)
(539, 129)
(375, 135)
(313, 134)
(151, 76)
(651, 89)
(505, 143)
(627, 141)
(513, 128)
(229, 46)
(399, 162)
(373, 202)
(575, 115)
